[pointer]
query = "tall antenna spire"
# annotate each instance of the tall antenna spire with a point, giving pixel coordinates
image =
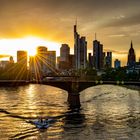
(76, 21)
(131, 44)
(75, 26)
(95, 36)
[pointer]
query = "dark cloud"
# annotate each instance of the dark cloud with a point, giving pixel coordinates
(64, 8)
(39, 16)
(125, 21)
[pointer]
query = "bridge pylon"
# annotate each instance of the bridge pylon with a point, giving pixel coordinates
(73, 95)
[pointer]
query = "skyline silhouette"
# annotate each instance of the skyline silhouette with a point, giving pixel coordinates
(115, 23)
(32, 49)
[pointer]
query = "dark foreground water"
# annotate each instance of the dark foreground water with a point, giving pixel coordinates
(107, 113)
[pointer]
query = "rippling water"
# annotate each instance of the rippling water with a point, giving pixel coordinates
(107, 113)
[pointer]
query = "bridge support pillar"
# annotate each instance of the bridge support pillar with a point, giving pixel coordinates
(74, 96)
(74, 100)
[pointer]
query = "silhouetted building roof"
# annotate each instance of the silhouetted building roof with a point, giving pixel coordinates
(131, 56)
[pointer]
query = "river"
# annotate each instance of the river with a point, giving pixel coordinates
(107, 112)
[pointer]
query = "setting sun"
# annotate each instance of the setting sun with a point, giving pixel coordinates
(10, 46)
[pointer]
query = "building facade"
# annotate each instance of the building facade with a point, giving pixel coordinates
(97, 55)
(108, 60)
(22, 59)
(64, 59)
(51, 61)
(64, 52)
(80, 50)
(90, 60)
(117, 63)
(21, 67)
(41, 61)
(83, 52)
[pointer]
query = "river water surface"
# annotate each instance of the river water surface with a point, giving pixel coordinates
(107, 112)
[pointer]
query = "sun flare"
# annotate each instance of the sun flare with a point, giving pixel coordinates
(29, 44)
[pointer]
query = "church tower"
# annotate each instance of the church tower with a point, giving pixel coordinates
(131, 56)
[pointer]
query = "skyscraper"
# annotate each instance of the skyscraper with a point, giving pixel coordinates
(109, 60)
(131, 56)
(83, 52)
(41, 60)
(64, 53)
(97, 55)
(21, 68)
(90, 60)
(80, 50)
(42, 50)
(45, 60)
(64, 61)
(76, 48)
(33, 68)
(22, 59)
(51, 61)
(117, 63)
(104, 59)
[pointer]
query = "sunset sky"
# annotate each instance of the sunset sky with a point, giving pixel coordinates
(116, 23)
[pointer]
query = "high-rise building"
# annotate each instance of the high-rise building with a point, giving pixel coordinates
(83, 52)
(51, 61)
(131, 56)
(33, 68)
(22, 59)
(97, 55)
(109, 60)
(117, 63)
(64, 61)
(104, 59)
(76, 48)
(41, 50)
(80, 50)
(41, 60)
(21, 68)
(90, 60)
(64, 53)
(45, 61)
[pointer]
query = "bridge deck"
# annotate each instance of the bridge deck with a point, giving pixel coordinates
(68, 85)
